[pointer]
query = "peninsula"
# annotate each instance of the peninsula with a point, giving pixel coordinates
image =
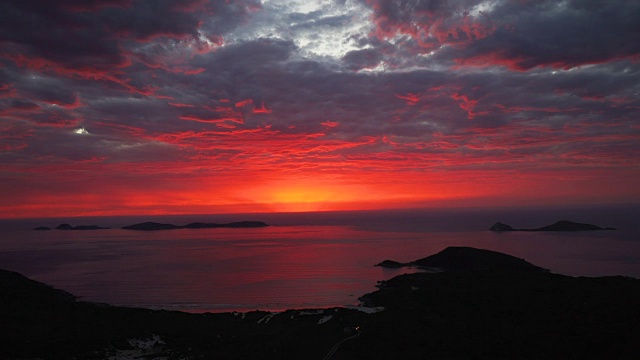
(563, 225)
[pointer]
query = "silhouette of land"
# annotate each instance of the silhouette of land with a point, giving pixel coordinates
(480, 305)
(562, 225)
(147, 226)
(69, 227)
(467, 259)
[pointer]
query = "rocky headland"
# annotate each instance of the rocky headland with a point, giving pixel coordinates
(148, 226)
(467, 259)
(562, 225)
(479, 305)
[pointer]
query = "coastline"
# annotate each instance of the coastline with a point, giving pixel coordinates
(448, 315)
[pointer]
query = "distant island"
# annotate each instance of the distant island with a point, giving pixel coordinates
(562, 225)
(149, 226)
(481, 304)
(69, 227)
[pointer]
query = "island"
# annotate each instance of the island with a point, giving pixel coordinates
(69, 227)
(562, 225)
(467, 259)
(480, 304)
(149, 226)
(152, 226)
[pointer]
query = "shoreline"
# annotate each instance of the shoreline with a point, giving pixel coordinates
(457, 313)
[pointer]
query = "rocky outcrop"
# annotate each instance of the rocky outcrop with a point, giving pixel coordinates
(392, 264)
(500, 227)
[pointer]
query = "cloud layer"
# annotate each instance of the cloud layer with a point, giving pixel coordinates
(130, 106)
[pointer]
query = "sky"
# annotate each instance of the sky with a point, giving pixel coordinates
(119, 107)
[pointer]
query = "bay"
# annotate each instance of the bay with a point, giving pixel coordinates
(302, 261)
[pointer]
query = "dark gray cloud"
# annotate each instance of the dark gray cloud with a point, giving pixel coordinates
(362, 59)
(517, 34)
(91, 39)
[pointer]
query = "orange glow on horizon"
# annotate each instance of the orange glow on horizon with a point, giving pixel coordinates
(308, 195)
(267, 191)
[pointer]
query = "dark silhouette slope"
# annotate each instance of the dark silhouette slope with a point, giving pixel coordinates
(472, 310)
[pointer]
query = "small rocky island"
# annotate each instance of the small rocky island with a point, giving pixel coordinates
(150, 226)
(69, 227)
(562, 225)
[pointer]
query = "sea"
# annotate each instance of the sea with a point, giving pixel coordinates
(302, 260)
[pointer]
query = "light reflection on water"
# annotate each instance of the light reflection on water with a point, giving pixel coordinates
(275, 268)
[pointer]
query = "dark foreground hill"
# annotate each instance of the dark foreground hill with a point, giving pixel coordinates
(511, 310)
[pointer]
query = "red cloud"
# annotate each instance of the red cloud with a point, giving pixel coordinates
(262, 109)
(180, 105)
(492, 58)
(244, 103)
(197, 71)
(430, 26)
(112, 75)
(212, 120)
(330, 124)
(467, 105)
(410, 98)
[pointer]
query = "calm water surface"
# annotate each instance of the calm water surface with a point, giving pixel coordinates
(284, 266)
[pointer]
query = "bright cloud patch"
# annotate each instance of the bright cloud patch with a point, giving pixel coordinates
(319, 28)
